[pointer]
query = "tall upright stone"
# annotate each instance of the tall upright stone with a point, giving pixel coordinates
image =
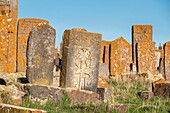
(40, 55)
(80, 59)
(8, 31)
(120, 57)
(25, 25)
(167, 60)
(140, 33)
(105, 52)
(146, 59)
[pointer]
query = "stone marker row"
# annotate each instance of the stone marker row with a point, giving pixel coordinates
(140, 57)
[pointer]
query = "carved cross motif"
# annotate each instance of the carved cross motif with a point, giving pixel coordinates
(83, 65)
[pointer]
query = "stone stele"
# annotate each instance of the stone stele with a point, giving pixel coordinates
(140, 33)
(25, 25)
(40, 55)
(80, 59)
(8, 32)
(167, 60)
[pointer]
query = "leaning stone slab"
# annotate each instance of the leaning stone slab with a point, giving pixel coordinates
(6, 108)
(40, 55)
(80, 59)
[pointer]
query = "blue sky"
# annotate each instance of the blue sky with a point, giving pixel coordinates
(111, 18)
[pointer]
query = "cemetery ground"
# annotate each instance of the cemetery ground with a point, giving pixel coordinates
(124, 99)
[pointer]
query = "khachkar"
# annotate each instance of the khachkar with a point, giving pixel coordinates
(104, 52)
(40, 55)
(120, 57)
(8, 31)
(167, 60)
(80, 59)
(140, 33)
(146, 59)
(25, 25)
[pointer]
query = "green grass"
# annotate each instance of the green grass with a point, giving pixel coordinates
(129, 87)
(124, 91)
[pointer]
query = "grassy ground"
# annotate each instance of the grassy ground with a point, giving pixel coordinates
(124, 91)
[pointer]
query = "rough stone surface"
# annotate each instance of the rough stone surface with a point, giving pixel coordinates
(120, 57)
(146, 95)
(6, 108)
(82, 96)
(140, 33)
(102, 83)
(80, 59)
(8, 32)
(12, 94)
(25, 25)
(162, 90)
(11, 78)
(159, 54)
(146, 57)
(44, 92)
(167, 60)
(103, 70)
(104, 52)
(40, 55)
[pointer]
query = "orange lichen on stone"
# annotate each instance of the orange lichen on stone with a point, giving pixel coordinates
(140, 33)
(8, 31)
(146, 57)
(167, 60)
(56, 54)
(120, 57)
(102, 83)
(104, 52)
(24, 27)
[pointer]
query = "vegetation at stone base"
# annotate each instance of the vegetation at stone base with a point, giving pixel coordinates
(125, 91)
(64, 106)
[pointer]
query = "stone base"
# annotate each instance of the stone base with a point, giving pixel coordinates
(162, 90)
(44, 93)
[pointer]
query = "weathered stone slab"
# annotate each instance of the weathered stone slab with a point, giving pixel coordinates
(80, 59)
(140, 33)
(40, 55)
(167, 60)
(146, 57)
(147, 95)
(8, 32)
(120, 57)
(104, 52)
(103, 70)
(162, 90)
(159, 61)
(82, 96)
(44, 92)
(6, 108)
(25, 25)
